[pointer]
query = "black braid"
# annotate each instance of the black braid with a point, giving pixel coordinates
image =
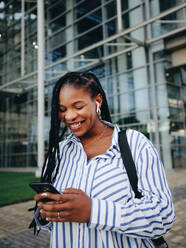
(78, 79)
(105, 113)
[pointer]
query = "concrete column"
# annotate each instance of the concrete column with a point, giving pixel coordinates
(139, 59)
(160, 115)
(164, 124)
(155, 10)
(69, 33)
(23, 38)
(41, 58)
(119, 15)
(123, 78)
(165, 141)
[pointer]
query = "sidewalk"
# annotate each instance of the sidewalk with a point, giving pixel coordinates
(14, 219)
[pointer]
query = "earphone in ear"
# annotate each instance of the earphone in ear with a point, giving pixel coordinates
(97, 109)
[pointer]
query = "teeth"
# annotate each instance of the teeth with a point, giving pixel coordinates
(75, 125)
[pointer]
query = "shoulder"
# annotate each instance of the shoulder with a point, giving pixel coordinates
(139, 143)
(136, 138)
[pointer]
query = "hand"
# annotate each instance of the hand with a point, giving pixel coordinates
(73, 205)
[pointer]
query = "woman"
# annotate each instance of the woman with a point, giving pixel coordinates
(97, 207)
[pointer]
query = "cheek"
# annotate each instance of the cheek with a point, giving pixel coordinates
(61, 116)
(92, 116)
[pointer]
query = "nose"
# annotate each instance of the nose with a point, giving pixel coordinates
(70, 115)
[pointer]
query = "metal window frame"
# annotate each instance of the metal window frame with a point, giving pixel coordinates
(107, 40)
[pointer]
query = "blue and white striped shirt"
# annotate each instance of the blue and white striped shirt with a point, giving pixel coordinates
(118, 219)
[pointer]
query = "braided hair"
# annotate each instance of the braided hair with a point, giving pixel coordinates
(78, 79)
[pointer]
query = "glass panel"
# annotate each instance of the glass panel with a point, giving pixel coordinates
(176, 114)
(183, 74)
(29, 5)
(125, 18)
(168, 23)
(124, 5)
(86, 6)
(178, 153)
(130, 121)
(173, 92)
(58, 23)
(110, 28)
(88, 22)
(57, 39)
(19, 139)
(90, 38)
(13, 12)
(157, 7)
(110, 10)
(56, 54)
(56, 10)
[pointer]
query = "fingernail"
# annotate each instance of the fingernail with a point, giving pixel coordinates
(47, 219)
(44, 194)
(41, 211)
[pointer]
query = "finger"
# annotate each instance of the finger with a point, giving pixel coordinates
(55, 197)
(59, 214)
(40, 196)
(72, 191)
(37, 197)
(43, 214)
(56, 219)
(56, 207)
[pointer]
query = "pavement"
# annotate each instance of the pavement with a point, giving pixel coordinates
(14, 219)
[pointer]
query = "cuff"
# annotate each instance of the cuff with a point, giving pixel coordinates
(40, 223)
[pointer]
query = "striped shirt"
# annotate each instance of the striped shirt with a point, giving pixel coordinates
(117, 219)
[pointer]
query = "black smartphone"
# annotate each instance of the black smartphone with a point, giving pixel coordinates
(44, 187)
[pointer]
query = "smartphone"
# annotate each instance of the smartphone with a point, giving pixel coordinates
(44, 187)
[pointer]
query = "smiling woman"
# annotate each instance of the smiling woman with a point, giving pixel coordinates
(97, 206)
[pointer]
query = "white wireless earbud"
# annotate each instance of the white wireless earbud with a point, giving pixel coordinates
(97, 109)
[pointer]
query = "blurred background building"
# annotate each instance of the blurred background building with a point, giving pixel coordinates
(137, 48)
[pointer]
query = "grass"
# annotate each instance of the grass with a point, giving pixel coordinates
(14, 187)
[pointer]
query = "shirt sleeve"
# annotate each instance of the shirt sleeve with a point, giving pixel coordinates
(41, 224)
(148, 217)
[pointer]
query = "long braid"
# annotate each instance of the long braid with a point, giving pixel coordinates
(105, 113)
(78, 79)
(53, 137)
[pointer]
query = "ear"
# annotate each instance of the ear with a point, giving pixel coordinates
(98, 99)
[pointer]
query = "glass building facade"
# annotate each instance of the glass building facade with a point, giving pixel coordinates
(136, 48)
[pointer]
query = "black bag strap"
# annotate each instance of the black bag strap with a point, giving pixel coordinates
(128, 162)
(132, 174)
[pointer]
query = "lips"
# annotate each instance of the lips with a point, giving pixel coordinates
(75, 126)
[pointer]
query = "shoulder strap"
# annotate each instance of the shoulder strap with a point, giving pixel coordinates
(132, 175)
(128, 162)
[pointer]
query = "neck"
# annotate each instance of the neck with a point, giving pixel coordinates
(93, 139)
(94, 133)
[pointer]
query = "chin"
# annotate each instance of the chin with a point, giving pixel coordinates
(77, 133)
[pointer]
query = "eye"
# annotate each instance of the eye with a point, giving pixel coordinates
(62, 110)
(79, 107)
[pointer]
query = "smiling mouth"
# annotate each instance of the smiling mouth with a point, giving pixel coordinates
(75, 126)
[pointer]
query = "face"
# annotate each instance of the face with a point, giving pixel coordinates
(77, 109)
